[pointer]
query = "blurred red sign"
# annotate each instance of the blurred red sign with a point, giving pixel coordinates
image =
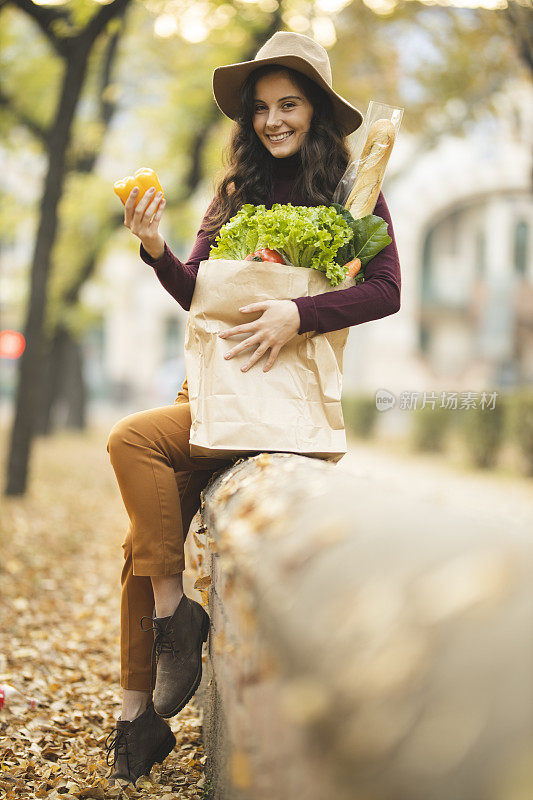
(12, 344)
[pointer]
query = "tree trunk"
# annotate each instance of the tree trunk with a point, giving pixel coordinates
(63, 395)
(76, 52)
(74, 389)
(49, 386)
(31, 360)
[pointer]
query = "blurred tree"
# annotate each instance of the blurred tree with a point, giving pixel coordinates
(84, 228)
(427, 60)
(72, 34)
(519, 18)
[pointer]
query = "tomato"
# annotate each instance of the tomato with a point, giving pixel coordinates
(271, 255)
(265, 254)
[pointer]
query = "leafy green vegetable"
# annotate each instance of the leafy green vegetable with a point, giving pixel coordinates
(325, 238)
(240, 235)
(305, 236)
(369, 239)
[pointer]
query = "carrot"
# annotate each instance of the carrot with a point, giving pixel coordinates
(353, 267)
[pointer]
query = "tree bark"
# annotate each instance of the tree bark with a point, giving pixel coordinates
(49, 386)
(64, 393)
(379, 638)
(74, 388)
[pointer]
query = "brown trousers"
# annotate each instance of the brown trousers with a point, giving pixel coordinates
(160, 485)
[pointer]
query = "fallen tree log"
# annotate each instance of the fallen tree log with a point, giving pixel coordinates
(365, 644)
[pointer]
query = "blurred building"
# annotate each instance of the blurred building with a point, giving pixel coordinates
(463, 219)
(141, 342)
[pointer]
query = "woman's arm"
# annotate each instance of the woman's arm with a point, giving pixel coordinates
(377, 297)
(176, 277)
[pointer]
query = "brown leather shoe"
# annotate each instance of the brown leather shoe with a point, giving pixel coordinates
(177, 651)
(138, 744)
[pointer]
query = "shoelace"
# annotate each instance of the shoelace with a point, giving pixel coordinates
(163, 643)
(117, 739)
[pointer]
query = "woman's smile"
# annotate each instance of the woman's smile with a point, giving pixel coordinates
(278, 138)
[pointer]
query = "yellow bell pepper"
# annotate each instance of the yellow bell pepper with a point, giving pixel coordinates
(143, 178)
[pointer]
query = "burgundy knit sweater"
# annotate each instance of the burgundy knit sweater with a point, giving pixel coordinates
(377, 297)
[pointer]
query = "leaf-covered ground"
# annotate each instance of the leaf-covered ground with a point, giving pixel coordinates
(60, 565)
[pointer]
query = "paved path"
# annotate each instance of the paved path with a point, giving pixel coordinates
(490, 496)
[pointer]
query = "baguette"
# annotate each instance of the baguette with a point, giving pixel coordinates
(378, 147)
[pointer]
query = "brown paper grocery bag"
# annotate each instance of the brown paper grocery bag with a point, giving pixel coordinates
(295, 407)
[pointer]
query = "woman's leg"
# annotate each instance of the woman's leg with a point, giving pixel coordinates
(168, 591)
(160, 485)
(137, 600)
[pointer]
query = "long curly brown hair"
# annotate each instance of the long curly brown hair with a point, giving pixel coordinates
(249, 170)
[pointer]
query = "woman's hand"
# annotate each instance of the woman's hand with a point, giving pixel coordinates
(279, 323)
(143, 220)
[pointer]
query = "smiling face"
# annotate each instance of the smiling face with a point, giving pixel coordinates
(280, 107)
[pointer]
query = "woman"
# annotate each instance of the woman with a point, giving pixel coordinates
(288, 145)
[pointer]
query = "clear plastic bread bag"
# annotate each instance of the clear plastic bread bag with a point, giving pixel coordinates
(376, 113)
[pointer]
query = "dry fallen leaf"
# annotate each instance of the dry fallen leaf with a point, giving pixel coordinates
(199, 542)
(59, 633)
(97, 792)
(202, 582)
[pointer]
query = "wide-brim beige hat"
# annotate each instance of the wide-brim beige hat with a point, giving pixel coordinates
(290, 50)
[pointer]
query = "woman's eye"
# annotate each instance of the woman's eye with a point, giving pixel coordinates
(261, 108)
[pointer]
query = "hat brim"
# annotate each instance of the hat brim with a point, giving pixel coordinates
(228, 81)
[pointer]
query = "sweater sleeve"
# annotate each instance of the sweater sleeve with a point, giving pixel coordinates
(377, 297)
(176, 277)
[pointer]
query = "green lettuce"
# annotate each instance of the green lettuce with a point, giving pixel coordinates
(240, 235)
(325, 238)
(305, 236)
